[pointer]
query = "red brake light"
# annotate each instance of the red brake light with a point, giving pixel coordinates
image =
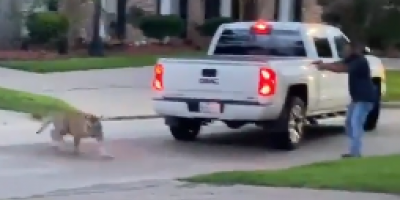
(261, 27)
(266, 82)
(157, 83)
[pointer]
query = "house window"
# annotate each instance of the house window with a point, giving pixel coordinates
(212, 8)
(235, 10)
(52, 5)
(298, 10)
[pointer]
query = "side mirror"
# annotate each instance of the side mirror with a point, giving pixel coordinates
(367, 50)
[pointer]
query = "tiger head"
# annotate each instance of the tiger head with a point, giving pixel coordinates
(93, 124)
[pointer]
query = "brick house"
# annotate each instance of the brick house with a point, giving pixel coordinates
(193, 11)
(196, 11)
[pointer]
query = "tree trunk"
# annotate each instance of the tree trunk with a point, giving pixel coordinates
(195, 18)
(96, 47)
(241, 10)
(121, 19)
(72, 10)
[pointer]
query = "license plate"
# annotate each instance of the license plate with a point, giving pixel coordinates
(210, 107)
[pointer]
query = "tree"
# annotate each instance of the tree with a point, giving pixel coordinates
(121, 19)
(364, 19)
(96, 47)
(74, 10)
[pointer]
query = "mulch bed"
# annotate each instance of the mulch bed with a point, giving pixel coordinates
(37, 54)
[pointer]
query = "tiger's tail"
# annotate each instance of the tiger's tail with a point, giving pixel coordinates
(44, 125)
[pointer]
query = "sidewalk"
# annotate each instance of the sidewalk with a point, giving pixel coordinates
(110, 101)
(173, 190)
(121, 92)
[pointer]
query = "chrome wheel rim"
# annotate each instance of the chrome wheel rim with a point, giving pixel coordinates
(296, 124)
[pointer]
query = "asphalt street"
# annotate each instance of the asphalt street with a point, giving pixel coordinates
(146, 157)
(144, 151)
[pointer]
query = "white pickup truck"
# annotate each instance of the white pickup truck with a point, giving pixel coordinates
(259, 73)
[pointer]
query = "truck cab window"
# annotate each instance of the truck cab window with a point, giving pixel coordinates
(340, 43)
(323, 47)
(285, 43)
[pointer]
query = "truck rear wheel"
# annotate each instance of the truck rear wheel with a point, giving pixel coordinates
(291, 123)
(185, 130)
(373, 117)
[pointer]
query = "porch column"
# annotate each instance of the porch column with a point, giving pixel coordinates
(166, 7)
(266, 9)
(226, 8)
(286, 10)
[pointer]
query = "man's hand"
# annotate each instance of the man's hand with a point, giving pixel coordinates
(317, 62)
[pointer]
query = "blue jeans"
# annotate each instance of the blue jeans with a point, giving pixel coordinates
(356, 115)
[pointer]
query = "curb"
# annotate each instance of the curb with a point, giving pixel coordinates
(394, 105)
(120, 118)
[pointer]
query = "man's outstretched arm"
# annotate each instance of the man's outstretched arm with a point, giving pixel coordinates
(338, 67)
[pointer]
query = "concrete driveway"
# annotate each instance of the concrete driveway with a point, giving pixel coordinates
(146, 157)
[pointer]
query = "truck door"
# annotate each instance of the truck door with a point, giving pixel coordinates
(328, 88)
(339, 41)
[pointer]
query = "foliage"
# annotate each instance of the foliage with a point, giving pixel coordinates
(46, 26)
(161, 26)
(35, 104)
(369, 174)
(135, 13)
(368, 20)
(210, 26)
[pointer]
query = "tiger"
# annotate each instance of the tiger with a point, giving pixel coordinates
(79, 125)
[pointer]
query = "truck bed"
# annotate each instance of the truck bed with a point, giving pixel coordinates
(253, 58)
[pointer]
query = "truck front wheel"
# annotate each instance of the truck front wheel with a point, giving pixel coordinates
(185, 129)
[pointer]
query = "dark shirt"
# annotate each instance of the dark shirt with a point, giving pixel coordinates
(361, 87)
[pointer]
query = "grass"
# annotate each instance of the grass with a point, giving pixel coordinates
(393, 86)
(34, 104)
(371, 174)
(89, 63)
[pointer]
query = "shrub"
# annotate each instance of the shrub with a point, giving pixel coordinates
(210, 26)
(46, 26)
(161, 26)
(134, 15)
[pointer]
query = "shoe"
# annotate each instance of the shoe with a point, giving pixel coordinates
(347, 155)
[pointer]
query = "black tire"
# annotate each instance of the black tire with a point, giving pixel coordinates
(294, 112)
(373, 117)
(186, 131)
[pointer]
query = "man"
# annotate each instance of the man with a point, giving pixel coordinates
(361, 89)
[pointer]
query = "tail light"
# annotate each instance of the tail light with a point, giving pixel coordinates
(262, 28)
(157, 83)
(266, 82)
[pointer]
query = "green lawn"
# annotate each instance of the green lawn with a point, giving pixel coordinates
(80, 64)
(35, 104)
(393, 86)
(371, 174)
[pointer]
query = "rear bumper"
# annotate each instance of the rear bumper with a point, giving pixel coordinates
(232, 110)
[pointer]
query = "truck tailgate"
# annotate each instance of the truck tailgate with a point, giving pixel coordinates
(211, 79)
